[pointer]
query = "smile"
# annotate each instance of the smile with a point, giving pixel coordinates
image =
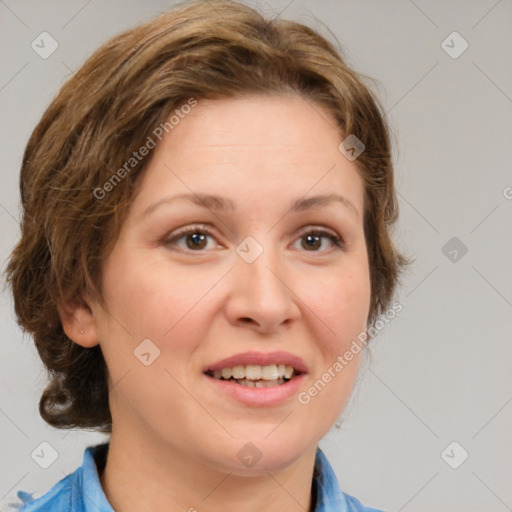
(253, 375)
(258, 379)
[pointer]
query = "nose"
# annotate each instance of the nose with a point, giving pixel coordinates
(262, 294)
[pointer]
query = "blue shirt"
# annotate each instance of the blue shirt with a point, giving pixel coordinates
(81, 490)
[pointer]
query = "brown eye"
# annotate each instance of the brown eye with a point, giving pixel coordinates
(312, 240)
(195, 238)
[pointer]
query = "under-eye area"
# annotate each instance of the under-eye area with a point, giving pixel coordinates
(256, 376)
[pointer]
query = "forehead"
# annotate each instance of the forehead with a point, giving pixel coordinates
(255, 149)
(258, 119)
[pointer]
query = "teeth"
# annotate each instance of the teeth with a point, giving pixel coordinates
(253, 372)
(260, 383)
(238, 372)
(256, 373)
(270, 372)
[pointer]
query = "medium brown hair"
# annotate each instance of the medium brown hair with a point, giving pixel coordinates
(108, 109)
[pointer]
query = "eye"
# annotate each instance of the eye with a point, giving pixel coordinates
(195, 238)
(312, 239)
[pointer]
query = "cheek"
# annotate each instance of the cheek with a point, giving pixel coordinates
(353, 298)
(150, 301)
(147, 301)
(342, 310)
(341, 304)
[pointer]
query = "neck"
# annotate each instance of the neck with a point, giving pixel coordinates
(145, 475)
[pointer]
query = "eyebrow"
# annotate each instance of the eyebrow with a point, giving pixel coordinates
(218, 203)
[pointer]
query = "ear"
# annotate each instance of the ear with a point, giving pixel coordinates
(78, 322)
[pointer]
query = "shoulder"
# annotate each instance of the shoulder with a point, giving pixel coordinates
(354, 505)
(57, 499)
(68, 494)
(330, 497)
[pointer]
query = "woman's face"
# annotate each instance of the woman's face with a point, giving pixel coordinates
(257, 282)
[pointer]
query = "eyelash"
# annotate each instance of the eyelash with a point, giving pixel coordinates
(203, 229)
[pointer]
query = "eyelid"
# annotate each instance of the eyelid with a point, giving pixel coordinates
(188, 229)
(319, 229)
(325, 232)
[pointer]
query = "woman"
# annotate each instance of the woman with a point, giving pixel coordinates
(205, 246)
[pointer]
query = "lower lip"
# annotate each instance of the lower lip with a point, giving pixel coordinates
(259, 397)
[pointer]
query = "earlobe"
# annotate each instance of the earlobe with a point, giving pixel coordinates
(78, 323)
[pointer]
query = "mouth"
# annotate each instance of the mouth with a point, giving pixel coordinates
(258, 379)
(256, 376)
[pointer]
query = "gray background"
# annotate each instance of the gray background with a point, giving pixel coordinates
(441, 371)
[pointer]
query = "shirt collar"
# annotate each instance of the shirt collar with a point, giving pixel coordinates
(329, 496)
(88, 488)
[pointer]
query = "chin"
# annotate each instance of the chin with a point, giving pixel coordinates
(263, 452)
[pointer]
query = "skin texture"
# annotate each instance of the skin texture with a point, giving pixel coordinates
(175, 437)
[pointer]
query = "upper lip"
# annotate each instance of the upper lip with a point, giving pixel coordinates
(262, 359)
